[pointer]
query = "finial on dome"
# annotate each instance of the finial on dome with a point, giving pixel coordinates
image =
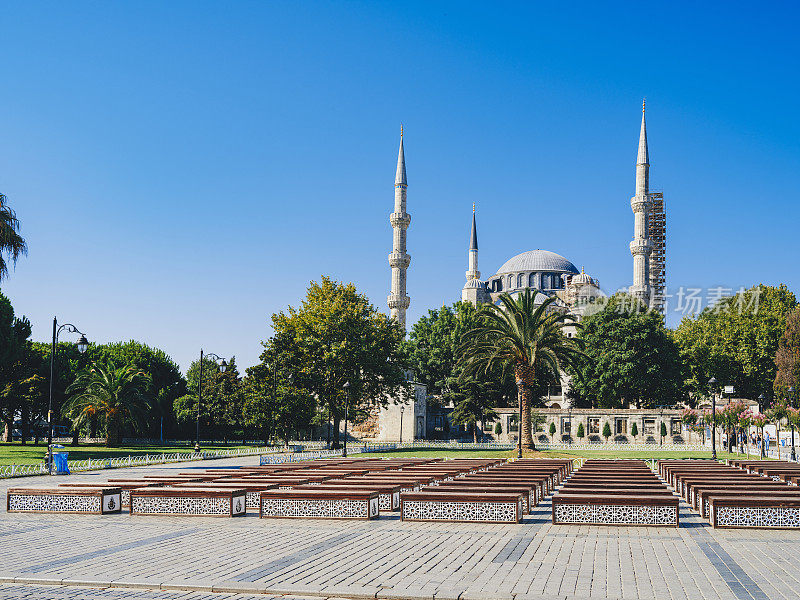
(582, 272)
(643, 101)
(401, 130)
(473, 208)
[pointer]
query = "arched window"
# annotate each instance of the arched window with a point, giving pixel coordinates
(546, 281)
(510, 280)
(532, 280)
(520, 280)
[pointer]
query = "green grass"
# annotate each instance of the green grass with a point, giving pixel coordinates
(17, 454)
(642, 454)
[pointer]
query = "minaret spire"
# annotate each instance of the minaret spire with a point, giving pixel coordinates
(641, 204)
(399, 259)
(474, 290)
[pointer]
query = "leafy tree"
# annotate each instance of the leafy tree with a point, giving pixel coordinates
(581, 433)
(211, 405)
(337, 336)
(114, 394)
(12, 245)
(498, 428)
(632, 359)
(663, 430)
(522, 338)
(606, 431)
(552, 430)
(14, 334)
(776, 414)
(736, 340)
(471, 406)
(787, 357)
(634, 429)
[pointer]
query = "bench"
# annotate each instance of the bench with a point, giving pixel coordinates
(204, 501)
(463, 506)
(388, 494)
(253, 489)
(528, 492)
(125, 487)
(319, 503)
(622, 509)
(83, 500)
(703, 494)
(762, 512)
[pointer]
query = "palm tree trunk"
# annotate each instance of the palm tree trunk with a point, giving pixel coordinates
(524, 375)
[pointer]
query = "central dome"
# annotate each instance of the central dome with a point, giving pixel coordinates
(537, 260)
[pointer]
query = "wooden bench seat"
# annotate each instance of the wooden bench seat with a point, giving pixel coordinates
(124, 486)
(704, 494)
(388, 493)
(253, 489)
(528, 492)
(79, 500)
(759, 512)
(319, 503)
(199, 500)
(462, 506)
(631, 509)
(543, 483)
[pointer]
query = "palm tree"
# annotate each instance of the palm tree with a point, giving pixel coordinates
(113, 394)
(519, 336)
(11, 243)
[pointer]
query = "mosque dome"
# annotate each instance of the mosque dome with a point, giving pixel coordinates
(537, 260)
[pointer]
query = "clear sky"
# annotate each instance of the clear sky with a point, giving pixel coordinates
(182, 170)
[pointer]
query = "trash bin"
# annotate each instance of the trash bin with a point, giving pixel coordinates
(60, 463)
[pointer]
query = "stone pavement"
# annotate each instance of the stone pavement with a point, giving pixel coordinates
(47, 556)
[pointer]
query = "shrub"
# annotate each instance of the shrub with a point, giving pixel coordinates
(634, 430)
(498, 428)
(663, 429)
(552, 429)
(580, 432)
(606, 430)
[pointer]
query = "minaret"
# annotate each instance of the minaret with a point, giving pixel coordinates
(399, 259)
(641, 204)
(474, 290)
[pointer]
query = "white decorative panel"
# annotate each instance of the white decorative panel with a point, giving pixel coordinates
(439, 510)
(54, 503)
(609, 514)
(757, 516)
(327, 508)
(112, 503)
(157, 505)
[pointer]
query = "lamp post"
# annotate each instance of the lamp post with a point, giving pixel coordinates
(761, 399)
(402, 410)
(82, 345)
(346, 406)
(519, 425)
(711, 383)
(791, 405)
(222, 366)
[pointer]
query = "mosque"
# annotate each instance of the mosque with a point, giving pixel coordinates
(549, 273)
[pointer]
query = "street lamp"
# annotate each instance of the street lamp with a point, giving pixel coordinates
(761, 398)
(222, 366)
(519, 425)
(402, 410)
(83, 345)
(711, 383)
(346, 406)
(791, 405)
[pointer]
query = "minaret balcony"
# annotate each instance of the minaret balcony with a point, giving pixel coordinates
(399, 260)
(641, 204)
(641, 246)
(401, 220)
(398, 302)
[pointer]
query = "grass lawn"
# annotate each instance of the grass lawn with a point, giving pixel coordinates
(643, 454)
(17, 454)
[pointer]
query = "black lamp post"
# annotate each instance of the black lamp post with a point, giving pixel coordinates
(402, 410)
(519, 425)
(82, 345)
(711, 383)
(761, 398)
(346, 406)
(791, 405)
(222, 366)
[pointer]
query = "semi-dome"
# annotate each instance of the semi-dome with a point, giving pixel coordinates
(537, 260)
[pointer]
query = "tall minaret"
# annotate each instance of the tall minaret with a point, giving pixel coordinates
(641, 204)
(399, 259)
(474, 290)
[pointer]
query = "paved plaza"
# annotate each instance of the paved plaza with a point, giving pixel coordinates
(192, 558)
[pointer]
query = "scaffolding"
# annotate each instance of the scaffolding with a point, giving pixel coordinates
(657, 232)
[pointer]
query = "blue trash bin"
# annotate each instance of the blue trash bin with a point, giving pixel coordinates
(60, 466)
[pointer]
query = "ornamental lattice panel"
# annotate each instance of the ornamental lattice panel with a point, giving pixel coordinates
(776, 517)
(609, 514)
(328, 508)
(177, 505)
(54, 503)
(428, 510)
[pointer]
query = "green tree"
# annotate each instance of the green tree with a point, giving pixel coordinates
(211, 406)
(736, 340)
(787, 357)
(12, 245)
(336, 336)
(14, 334)
(498, 428)
(606, 431)
(581, 433)
(519, 337)
(114, 394)
(552, 430)
(634, 429)
(663, 430)
(471, 405)
(632, 358)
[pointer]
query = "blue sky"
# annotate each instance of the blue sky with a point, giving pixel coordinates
(182, 170)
